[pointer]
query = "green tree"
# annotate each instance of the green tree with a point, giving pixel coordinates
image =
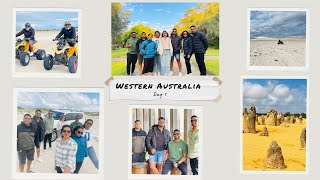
(286, 114)
(138, 29)
(211, 28)
(119, 21)
(303, 115)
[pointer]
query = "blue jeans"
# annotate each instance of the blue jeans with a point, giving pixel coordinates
(157, 64)
(165, 62)
(92, 155)
(157, 157)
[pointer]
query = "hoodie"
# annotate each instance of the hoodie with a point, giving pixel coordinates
(138, 141)
(26, 137)
(151, 141)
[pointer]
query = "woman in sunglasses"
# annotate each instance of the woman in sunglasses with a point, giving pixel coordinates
(89, 135)
(82, 147)
(65, 159)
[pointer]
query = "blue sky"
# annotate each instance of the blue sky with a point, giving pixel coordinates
(80, 101)
(277, 23)
(285, 95)
(45, 20)
(159, 16)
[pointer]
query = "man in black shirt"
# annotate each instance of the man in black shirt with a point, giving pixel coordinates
(29, 34)
(68, 32)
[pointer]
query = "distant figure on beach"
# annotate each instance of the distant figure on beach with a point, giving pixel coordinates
(280, 42)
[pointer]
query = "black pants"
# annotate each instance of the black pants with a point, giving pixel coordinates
(131, 62)
(194, 165)
(148, 64)
(188, 64)
(47, 137)
(58, 169)
(168, 166)
(201, 64)
(78, 166)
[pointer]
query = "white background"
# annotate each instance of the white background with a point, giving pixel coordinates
(221, 120)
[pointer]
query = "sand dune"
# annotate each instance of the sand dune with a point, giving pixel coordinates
(266, 52)
(255, 147)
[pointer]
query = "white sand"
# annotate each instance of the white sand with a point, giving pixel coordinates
(47, 166)
(44, 38)
(267, 52)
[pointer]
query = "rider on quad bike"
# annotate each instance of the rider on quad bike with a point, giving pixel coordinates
(29, 34)
(68, 32)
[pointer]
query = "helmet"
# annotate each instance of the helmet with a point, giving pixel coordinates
(67, 24)
(27, 25)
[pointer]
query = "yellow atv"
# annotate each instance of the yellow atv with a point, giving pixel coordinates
(63, 54)
(23, 51)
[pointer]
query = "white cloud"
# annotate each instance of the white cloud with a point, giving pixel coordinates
(281, 90)
(255, 91)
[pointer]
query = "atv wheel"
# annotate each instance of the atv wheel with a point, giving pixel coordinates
(24, 59)
(48, 62)
(19, 51)
(73, 64)
(41, 54)
(54, 136)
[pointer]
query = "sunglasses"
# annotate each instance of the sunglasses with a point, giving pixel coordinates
(65, 131)
(89, 124)
(176, 134)
(80, 132)
(194, 120)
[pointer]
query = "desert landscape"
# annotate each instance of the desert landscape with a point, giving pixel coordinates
(47, 166)
(44, 38)
(267, 52)
(273, 141)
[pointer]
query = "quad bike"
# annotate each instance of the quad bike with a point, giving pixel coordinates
(23, 51)
(63, 54)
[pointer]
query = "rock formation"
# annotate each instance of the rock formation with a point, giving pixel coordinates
(303, 137)
(264, 132)
(249, 120)
(274, 157)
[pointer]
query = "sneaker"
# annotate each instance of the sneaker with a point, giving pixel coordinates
(30, 171)
(171, 73)
(31, 54)
(180, 74)
(189, 74)
(39, 160)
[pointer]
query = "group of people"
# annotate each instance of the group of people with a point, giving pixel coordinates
(165, 152)
(155, 54)
(73, 144)
(67, 32)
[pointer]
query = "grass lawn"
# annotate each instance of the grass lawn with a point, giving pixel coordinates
(122, 52)
(212, 66)
(119, 68)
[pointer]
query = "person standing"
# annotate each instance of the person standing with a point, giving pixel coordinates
(138, 48)
(38, 123)
(178, 152)
(90, 135)
(157, 59)
(194, 144)
(176, 44)
(138, 143)
(156, 142)
(132, 55)
(48, 123)
(165, 51)
(187, 48)
(27, 139)
(82, 147)
(65, 158)
(76, 123)
(60, 124)
(149, 51)
(200, 46)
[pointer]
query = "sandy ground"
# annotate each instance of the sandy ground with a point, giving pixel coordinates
(44, 38)
(269, 53)
(255, 147)
(47, 166)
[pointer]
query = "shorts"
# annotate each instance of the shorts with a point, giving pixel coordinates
(32, 41)
(175, 55)
(25, 154)
(140, 59)
(158, 157)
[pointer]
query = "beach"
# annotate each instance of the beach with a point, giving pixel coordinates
(267, 52)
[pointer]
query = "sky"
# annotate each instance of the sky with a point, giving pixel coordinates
(285, 95)
(277, 24)
(78, 101)
(45, 20)
(159, 16)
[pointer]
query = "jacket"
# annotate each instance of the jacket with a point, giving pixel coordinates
(148, 49)
(27, 34)
(82, 147)
(200, 42)
(67, 33)
(176, 43)
(41, 129)
(138, 141)
(26, 137)
(160, 47)
(187, 45)
(151, 141)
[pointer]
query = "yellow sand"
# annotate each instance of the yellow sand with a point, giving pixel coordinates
(255, 148)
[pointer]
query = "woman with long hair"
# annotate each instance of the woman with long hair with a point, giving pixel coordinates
(165, 51)
(187, 48)
(82, 147)
(65, 158)
(90, 135)
(60, 124)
